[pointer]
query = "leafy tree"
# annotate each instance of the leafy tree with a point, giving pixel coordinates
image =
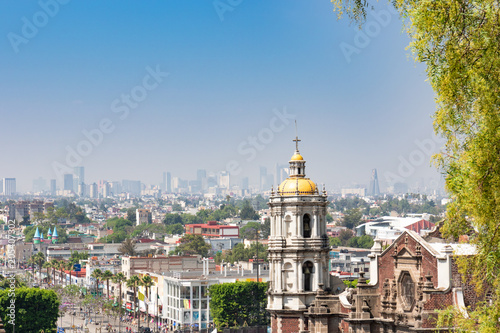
(458, 42)
(345, 235)
(193, 244)
(247, 212)
(172, 219)
(36, 309)
(250, 230)
(335, 241)
(234, 304)
(329, 218)
(266, 228)
(175, 229)
(177, 207)
(131, 215)
(364, 242)
(128, 248)
(77, 256)
(352, 218)
(18, 282)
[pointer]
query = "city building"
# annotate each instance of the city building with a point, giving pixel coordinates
(360, 192)
(374, 189)
(9, 186)
(298, 248)
(53, 188)
(68, 182)
(131, 265)
(143, 216)
(212, 229)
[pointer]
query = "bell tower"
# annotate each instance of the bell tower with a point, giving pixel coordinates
(298, 248)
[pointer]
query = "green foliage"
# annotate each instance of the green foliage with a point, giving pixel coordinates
(364, 242)
(329, 218)
(193, 244)
(131, 215)
(77, 256)
(121, 230)
(335, 241)
(345, 235)
(18, 282)
(250, 230)
(458, 42)
(352, 218)
(247, 212)
(240, 253)
(118, 223)
(35, 310)
(239, 303)
(175, 229)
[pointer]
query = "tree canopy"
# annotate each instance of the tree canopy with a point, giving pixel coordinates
(193, 244)
(239, 303)
(459, 42)
(35, 309)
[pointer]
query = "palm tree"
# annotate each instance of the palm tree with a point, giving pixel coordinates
(133, 282)
(53, 265)
(128, 248)
(107, 275)
(97, 274)
(119, 278)
(61, 265)
(69, 266)
(147, 282)
(38, 258)
(47, 265)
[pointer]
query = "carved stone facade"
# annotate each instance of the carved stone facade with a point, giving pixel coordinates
(410, 280)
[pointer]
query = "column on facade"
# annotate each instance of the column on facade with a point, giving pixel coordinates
(298, 222)
(316, 275)
(315, 225)
(279, 269)
(300, 276)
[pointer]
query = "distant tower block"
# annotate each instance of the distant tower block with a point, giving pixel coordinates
(374, 189)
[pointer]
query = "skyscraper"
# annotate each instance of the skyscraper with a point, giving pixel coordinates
(9, 186)
(168, 183)
(374, 189)
(53, 186)
(68, 182)
(78, 177)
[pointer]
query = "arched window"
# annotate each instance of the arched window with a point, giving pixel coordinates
(308, 270)
(306, 224)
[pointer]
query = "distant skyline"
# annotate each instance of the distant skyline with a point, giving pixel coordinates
(130, 90)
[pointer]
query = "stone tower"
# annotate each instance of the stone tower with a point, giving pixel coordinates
(298, 248)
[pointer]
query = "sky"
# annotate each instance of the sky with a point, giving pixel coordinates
(130, 89)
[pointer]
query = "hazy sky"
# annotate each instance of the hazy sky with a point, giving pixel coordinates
(182, 85)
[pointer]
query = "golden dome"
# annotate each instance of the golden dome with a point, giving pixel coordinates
(294, 186)
(297, 157)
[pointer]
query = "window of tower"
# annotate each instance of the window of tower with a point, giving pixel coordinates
(308, 270)
(299, 171)
(306, 224)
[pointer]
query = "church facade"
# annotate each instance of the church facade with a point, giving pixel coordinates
(410, 279)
